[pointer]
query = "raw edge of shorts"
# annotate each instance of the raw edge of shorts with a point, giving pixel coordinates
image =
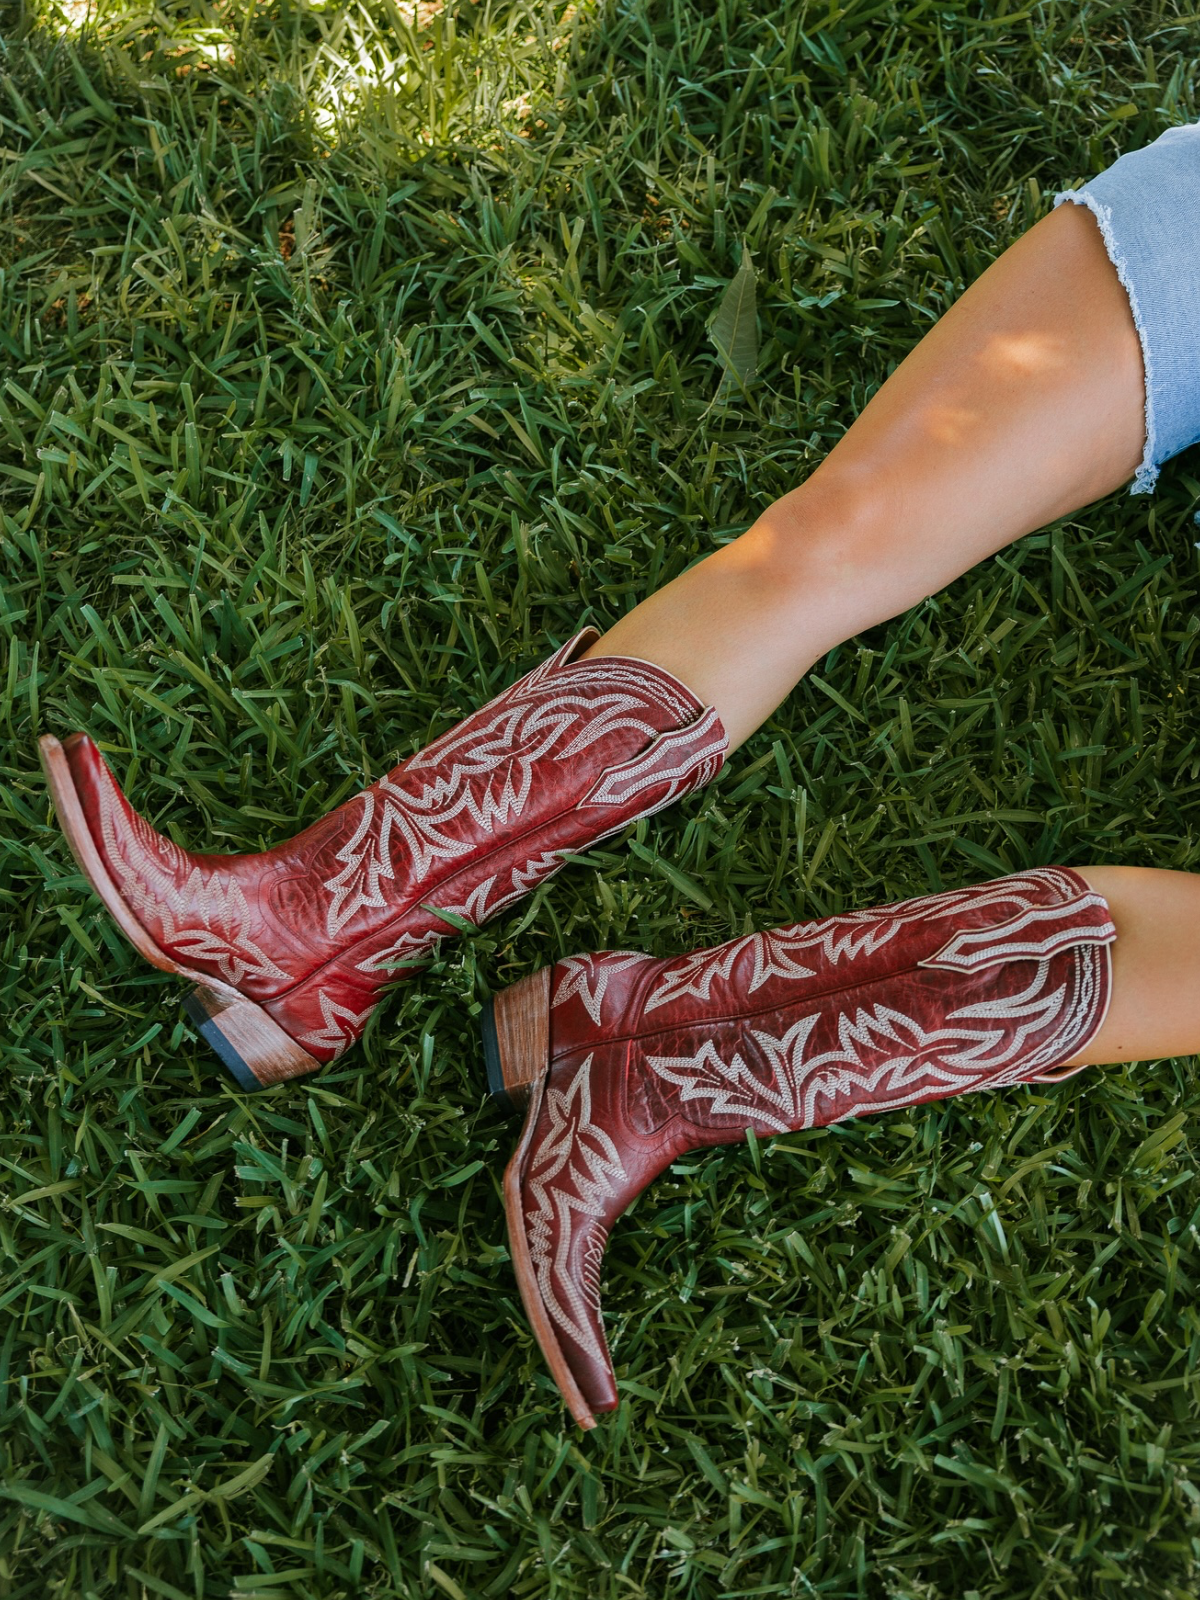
(1146, 475)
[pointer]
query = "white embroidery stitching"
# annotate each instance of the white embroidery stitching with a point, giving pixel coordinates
(587, 977)
(910, 1058)
(201, 919)
(694, 975)
(342, 1026)
(491, 773)
(401, 953)
(1058, 925)
(573, 1172)
(684, 757)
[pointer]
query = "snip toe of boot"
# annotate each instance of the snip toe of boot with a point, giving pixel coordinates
(77, 776)
(541, 1295)
(141, 876)
(560, 1186)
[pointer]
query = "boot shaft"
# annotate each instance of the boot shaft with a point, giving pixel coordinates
(808, 1025)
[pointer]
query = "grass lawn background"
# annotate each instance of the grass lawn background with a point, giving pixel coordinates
(353, 356)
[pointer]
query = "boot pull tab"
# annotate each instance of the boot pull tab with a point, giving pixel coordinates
(1035, 934)
(674, 762)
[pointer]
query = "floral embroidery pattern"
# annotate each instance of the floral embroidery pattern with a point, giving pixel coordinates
(202, 918)
(882, 1056)
(485, 778)
(587, 977)
(342, 1026)
(572, 1177)
(844, 939)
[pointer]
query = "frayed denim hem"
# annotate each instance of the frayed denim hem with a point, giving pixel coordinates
(1146, 475)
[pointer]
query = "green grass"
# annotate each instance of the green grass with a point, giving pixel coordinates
(326, 410)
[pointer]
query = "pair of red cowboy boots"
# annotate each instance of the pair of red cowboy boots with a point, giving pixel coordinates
(622, 1063)
(289, 950)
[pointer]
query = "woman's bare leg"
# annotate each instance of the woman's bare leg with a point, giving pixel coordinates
(1155, 1008)
(1022, 404)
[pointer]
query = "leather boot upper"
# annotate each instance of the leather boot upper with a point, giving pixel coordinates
(314, 929)
(798, 1028)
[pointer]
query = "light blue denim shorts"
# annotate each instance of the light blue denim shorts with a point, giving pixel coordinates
(1148, 208)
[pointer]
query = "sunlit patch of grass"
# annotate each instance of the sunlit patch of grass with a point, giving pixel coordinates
(73, 15)
(348, 66)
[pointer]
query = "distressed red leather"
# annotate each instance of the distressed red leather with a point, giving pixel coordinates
(314, 929)
(809, 1025)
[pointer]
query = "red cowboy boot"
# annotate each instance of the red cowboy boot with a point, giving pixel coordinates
(290, 949)
(628, 1063)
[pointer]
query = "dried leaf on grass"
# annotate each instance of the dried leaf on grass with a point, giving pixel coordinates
(734, 329)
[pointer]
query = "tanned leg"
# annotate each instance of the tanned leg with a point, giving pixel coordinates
(1155, 1009)
(1025, 402)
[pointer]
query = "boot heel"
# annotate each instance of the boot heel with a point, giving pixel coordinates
(250, 1043)
(516, 1040)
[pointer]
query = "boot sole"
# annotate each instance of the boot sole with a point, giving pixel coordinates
(245, 1038)
(516, 1044)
